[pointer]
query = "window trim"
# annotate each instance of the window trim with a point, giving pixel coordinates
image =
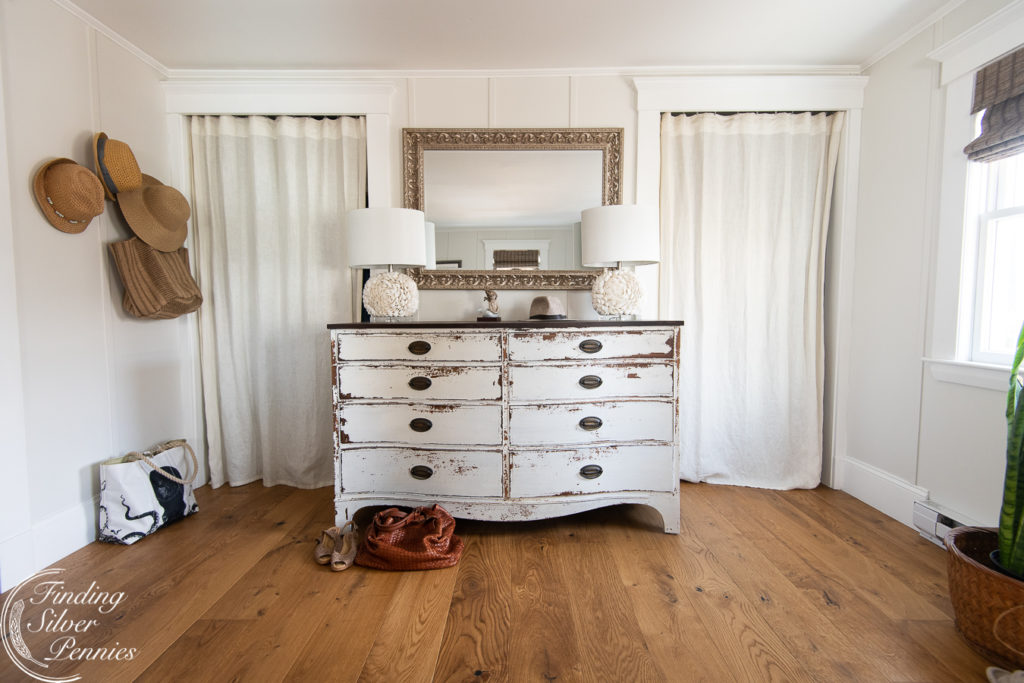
(960, 58)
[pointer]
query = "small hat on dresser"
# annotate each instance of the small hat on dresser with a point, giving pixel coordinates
(115, 165)
(546, 308)
(69, 195)
(157, 213)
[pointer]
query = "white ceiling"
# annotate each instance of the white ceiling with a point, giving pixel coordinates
(512, 34)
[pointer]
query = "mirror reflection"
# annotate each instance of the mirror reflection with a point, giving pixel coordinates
(509, 209)
(507, 201)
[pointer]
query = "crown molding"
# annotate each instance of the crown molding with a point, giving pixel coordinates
(327, 75)
(980, 44)
(112, 35)
(898, 42)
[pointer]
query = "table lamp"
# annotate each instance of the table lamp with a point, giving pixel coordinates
(613, 236)
(387, 238)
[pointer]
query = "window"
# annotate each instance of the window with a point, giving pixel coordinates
(993, 275)
(977, 300)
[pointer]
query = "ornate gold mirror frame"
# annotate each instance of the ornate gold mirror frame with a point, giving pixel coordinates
(416, 140)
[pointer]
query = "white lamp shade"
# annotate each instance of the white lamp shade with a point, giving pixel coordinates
(619, 233)
(431, 247)
(382, 237)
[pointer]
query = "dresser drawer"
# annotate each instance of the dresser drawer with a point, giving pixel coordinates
(433, 382)
(592, 470)
(429, 346)
(588, 422)
(414, 423)
(443, 473)
(589, 381)
(584, 344)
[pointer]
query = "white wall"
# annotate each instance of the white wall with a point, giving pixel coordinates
(910, 436)
(93, 383)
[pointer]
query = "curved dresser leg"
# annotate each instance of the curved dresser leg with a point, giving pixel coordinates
(668, 505)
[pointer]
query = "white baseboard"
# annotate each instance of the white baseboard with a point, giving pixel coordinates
(16, 561)
(47, 542)
(879, 489)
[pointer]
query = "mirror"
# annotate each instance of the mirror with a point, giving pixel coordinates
(492, 191)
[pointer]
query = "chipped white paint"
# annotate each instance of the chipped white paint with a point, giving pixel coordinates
(452, 473)
(537, 382)
(633, 343)
(446, 382)
(450, 346)
(625, 421)
(448, 423)
(504, 440)
(623, 468)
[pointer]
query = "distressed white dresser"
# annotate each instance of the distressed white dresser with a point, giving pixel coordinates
(507, 421)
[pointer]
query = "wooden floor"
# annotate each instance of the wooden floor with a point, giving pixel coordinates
(759, 586)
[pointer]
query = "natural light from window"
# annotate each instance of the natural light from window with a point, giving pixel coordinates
(994, 267)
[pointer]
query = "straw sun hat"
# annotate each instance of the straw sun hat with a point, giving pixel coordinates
(115, 165)
(157, 213)
(69, 194)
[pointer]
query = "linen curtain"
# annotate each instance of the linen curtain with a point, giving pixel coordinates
(270, 195)
(745, 204)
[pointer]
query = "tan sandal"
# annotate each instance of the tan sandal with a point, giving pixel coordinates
(325, 546)
(345, 545)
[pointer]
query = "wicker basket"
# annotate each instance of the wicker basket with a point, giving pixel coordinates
(989, 605)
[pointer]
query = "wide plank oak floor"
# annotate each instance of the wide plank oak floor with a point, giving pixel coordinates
(759, 586)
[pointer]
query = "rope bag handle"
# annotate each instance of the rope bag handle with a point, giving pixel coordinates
(166, 446)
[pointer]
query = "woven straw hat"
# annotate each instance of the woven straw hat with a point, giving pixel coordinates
(69, 194)
(115, 165)
(156, 213)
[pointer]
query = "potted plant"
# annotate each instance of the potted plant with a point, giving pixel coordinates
(986, 566)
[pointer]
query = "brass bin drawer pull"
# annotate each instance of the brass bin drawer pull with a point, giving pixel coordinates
(590, 346)
(591, 423)
(424, 472)
(420, 383)
(420, 424)
(419, 347)
(591, 381)
(590, 471)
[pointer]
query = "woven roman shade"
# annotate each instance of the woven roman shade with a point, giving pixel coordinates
(521, 259)
(999, 91)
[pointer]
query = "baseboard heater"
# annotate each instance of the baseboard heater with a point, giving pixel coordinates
(934, 521)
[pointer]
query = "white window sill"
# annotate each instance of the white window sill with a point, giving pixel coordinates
(981, 375)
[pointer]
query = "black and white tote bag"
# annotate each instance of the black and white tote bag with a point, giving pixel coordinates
(142, 492)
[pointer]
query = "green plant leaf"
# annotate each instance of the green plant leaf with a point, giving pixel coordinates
(1011, 517)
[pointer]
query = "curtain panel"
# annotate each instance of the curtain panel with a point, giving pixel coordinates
(999, 91)
(745, 203)
(270, 196)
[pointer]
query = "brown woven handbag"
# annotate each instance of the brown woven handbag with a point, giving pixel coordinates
(421, 539)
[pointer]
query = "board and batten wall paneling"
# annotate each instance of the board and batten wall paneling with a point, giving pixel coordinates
(889, 286)
(963, 446)
(447, 103)
(15, 552)
(914, 435)
(530, 102)
(95, 383)
(60, 277)
(153, 392)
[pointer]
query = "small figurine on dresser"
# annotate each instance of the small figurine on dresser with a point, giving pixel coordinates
(490, 314)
